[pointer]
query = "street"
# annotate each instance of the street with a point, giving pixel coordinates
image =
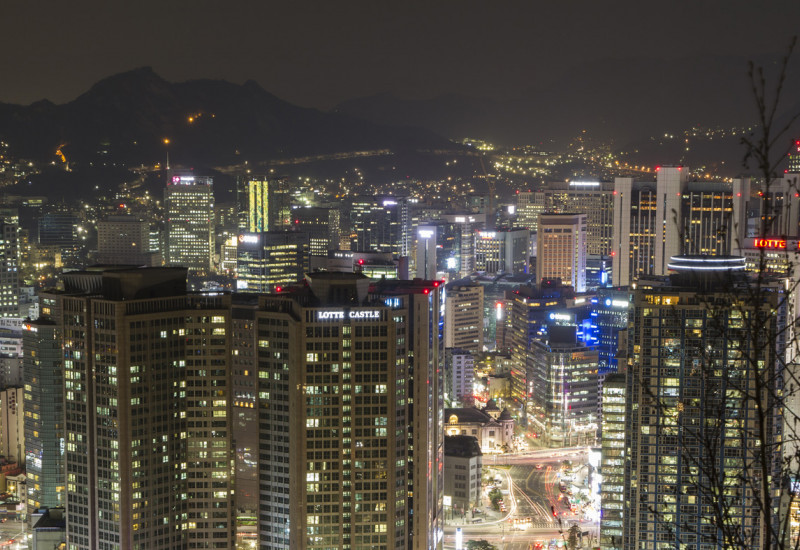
(13, 529)
(531, 491)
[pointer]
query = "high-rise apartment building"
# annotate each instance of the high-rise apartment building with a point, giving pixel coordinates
(43, 407)
(698, 440)
(350, 400)
(272, 259)
(561, 249)
(463, 318)
(189, 223)
(149, 450)
(654, 221)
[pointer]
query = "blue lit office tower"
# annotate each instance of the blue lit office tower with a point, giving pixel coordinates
(534, 310)
(354, 459)
(562, 386)
(609, 316)
(44, 414)
(272, 259)
(381, 224)
(189, 223)
(696, 438)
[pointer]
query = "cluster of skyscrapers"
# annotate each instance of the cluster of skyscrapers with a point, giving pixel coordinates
(314, 393)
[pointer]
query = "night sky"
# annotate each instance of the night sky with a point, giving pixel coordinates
(320, 53)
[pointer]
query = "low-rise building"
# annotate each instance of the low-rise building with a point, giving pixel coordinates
(493, 429)
(462, 473)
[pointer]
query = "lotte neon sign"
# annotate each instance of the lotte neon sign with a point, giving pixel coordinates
(772, 243)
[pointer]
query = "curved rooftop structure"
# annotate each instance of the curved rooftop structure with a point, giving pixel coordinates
(683, 264)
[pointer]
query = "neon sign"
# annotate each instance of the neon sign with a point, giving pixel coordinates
(771, 243)
(341, 315)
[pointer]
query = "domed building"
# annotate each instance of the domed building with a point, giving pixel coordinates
(493, 428)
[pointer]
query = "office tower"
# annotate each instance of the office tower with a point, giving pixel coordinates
(794, 158)
(654, 221)
(610, 316)
(375, 265)
(462, 475)
(426, 262)
(598, 272)
(350, 427)
(252, 204)
(272, 259)
(446, 245)
(459, 374)
(529, 205)
(322, 227)
(502, 251)
(228, 255)
(263, 204)
(188, 219)
(776, 207)
(612, 461)
(58, 229)
(561, 249)
(458, 235)
(9, 266)
(149, 452)
(593, 198)
(12, 424)
(125, 240)
(463, 318)
(44, 414)
(563, 388)
(529, 317)
(381, 224)
(698, 439)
